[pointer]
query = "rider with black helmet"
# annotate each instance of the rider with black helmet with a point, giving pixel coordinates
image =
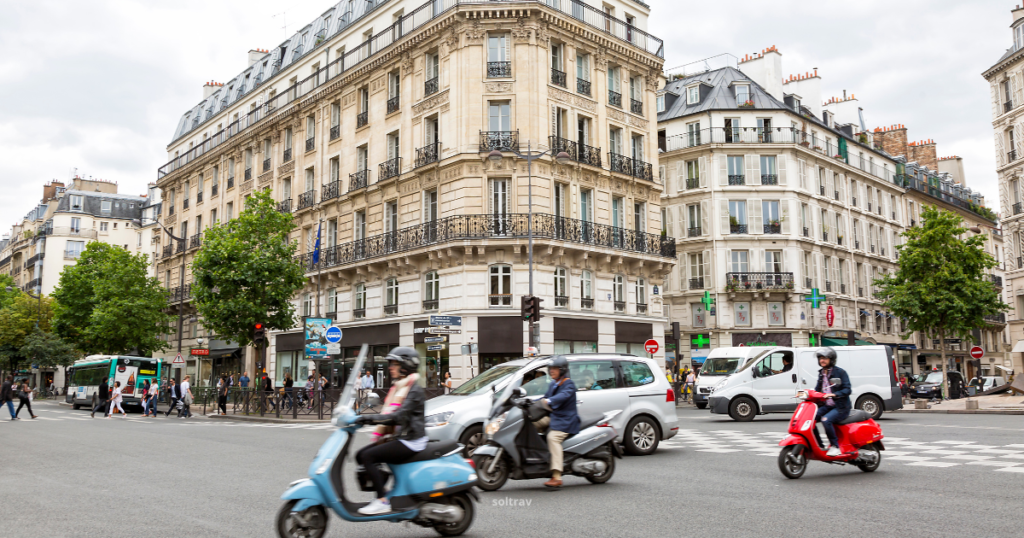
(837, 407)
(400, 433)
(564, 420)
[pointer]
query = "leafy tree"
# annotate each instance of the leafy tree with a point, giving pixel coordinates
(7, 297)
(942, 285)
(106, 304)
(245, 272)
(49, 350)
(18, 321)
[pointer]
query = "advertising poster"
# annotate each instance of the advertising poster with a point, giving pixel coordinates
(316, 339)
(127, 375)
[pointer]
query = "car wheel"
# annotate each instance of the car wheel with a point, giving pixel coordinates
(742, 409)
(472, 439)
(702, 405)
(641, 438)
(870, 405)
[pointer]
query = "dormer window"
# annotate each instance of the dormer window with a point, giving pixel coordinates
(105, 207)
(742, 93)
(1018, 37)
(693, 95)
(796, 104)
(661, 103)
(76, 202)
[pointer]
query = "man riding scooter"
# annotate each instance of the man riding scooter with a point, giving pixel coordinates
(564, 420)
(837, 404)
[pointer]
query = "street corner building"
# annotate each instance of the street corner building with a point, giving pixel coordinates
(784, 204)
(375, 126)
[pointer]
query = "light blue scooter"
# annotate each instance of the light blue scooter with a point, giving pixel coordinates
(434, 489)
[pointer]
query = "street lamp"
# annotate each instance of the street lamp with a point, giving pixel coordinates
(181, 275)
(561, 158)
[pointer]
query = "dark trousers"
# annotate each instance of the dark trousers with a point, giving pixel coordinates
(222, 401)
(828, 416)
(171, 406)
(370, 457)
(24, 402)
(101, 407)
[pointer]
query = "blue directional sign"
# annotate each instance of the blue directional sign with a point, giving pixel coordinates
(333, 335)
(439, 321)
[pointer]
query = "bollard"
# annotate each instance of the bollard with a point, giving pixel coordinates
(920, 403)
(971, 404)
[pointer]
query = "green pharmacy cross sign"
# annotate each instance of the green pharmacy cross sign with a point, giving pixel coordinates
(814, 341)
(708, 301)
(701, 340)
(815, 298)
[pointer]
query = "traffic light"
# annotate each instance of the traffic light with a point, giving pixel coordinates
(529, 308)
(675, 332)
(259, 334)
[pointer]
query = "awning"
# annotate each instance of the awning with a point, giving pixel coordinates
(1018, 347)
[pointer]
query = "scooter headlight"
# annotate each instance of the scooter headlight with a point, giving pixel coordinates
(494, 425)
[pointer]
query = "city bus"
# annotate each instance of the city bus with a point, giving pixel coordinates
(133, 372)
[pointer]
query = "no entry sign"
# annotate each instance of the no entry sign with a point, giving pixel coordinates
(977, 352)
(651, 346)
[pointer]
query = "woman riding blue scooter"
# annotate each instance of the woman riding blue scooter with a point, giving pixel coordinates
(433, 484)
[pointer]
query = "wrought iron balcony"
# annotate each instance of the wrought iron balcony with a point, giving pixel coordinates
(736, 179)
(195, 241)
(362, 119)
(167, 251)
(213, 190)
(695, 232)
(636, 107)
(180, 293)
(1008, 106)
(758, 281)
(287, 155)
(181, 246)
(614, 99)
(737, 228)
(390, 310)
(310, 143)
(430, 87)
(358, 180)
(389, 169)
(773, 228)
(499, 140)
(583, 87)
(335, 131)
(697, 283)
(285, 206)
(558, 77)
(306, 200)
(769, 179)
(828, 286)
(997, 280)
(997, 318)
(630, 166)
(586, 303)
(561, 301)
(330, 191)
(266, 165)
(231, 181)
(807, 232)
(170, 210)
(430, 305)
(641, 309)
(394, 103)
(184, 204)
(500, 300)
(499, 69)
(692, 182)
(821, 189)
(199, 197)
(248, 174)
(428, 154)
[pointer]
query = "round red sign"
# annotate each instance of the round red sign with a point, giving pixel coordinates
(651, 346)
(977, 352)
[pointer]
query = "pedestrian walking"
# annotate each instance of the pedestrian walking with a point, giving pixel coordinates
(691, 378)
(153, 395)
(447, 382)
(172, 397)
(222, 394)
(25, 399)
(6, 396)
(268, 392)
(102, 398)
(186, 398)
(145, 398)
(115, 401)
(288, 384)
(309, 392)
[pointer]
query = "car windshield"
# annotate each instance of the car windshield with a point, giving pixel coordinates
(720, 366)
(485, 380)
(930, 377)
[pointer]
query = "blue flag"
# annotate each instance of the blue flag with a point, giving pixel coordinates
(316, 248)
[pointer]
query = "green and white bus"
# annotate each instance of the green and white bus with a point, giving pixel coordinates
(133, 372)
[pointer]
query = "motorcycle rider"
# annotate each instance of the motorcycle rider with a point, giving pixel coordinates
(400, 433)
(563, 420)
(837, 404)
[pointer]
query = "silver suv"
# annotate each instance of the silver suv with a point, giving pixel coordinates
(604, 382)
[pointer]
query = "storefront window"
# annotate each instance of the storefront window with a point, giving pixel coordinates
(630, 349)
(566, 346)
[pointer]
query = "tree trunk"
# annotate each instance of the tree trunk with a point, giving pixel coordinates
(945, 376)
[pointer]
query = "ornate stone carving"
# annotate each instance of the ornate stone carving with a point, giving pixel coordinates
(616, 114)
(601, 61)
(407, 64)
(575, 100)
(475, 33)
(497, 87)
(637, 122)
(427, 104)
(543, 36)
(521, 31)
(265, 177)
(286, 168)
(449, 43)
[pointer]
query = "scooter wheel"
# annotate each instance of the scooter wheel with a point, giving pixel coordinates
(468, 512)
(606, 475)
(872, 458)
(310, 523)
(490, 481)
(792, 461)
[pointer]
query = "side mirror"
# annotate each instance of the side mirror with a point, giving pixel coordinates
(519, 392)
(755, 371)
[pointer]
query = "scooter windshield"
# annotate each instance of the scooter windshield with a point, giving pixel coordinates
(348, 394)
(503, 397)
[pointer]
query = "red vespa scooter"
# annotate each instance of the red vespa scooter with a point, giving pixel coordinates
(860, 439)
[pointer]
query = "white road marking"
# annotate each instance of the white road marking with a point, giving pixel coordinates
(995, 463)
(968, 457)
(1012, 469)
(719, 450)
(932, 464)
(917, 459)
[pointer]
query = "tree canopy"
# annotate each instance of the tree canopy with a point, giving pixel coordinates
(245, 272)
(107, 304)
(942, 284)
(18, 321)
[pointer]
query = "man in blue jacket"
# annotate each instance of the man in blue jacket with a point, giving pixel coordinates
(564, 420)
(837, 406)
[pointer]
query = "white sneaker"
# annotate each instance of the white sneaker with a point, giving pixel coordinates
(376, 507)
(833, 451)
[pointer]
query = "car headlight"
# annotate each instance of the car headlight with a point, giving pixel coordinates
(438, 419)
(494, 425)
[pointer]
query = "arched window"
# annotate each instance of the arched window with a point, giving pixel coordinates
(501, 285)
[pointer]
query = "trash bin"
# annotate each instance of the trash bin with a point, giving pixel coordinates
(971, 391)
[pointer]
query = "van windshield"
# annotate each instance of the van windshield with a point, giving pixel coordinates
(484, 381)
(721, 366)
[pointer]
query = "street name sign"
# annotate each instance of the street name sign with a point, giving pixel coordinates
(436, 321)
(438, 347)
(434, 330)
(434, 339)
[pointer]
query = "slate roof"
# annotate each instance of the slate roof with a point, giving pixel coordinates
(123, 206)
(721, 95)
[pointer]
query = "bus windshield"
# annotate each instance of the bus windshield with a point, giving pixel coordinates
(721, 366)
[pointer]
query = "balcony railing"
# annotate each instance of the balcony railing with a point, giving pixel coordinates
(358, 180)
(287, 155)
(310, 143)
(492, 227)
(195, 241)
(248, 174)
(772, 228)
(558, 77)
(285, 206)
(389, 169)
(390, 309)
(362, 119)
(499, 69)
(769, 179)
(631, 167)
(586, 303)
(736, 179)
(807, 231)
(692, 182)
(213, 190)
(180, 293)
(561, 301)
(583, 87)
(184, 204)
(394, 104)
(430, 87)
(358, 313)
(430, 305)
(330, 191)
(577, 152)
(614, 99)
(620, 306)
(335, 132)
(997, 280)
(1011, 156)
(636, 107)
(231, 181)
(199, 197)
(697, 283)
(758, 281)
(997, 318)
(306, 200)
(168, 250)
(694, 232)
(72, 254)
(181, 246)
(1008, 106)
(737, 228)
(499, 300)
(641, 309)
(266, 166)
(428, 154)
(499, 140)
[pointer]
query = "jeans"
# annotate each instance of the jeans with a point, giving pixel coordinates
(371, 456)
(171, 406)
(10, 407)
(828, 416)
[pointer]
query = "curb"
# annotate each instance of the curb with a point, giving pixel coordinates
(268, 420)
(963, 411)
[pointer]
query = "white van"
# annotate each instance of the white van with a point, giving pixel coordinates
(719, 364)
(769, 383)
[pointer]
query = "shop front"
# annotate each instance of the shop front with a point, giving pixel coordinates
(225, 357)
(502, 339)
(290, 358)
(762, 340)
(700, 348)
(630, 337)
(381, 339)
(434, 363)
(574, 335)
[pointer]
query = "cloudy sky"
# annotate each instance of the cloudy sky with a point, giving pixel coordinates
(99, 86)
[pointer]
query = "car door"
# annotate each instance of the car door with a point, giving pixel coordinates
(598, 392)
(645, 396)
(775, 382)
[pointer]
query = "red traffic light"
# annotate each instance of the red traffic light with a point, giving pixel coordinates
(259, 326)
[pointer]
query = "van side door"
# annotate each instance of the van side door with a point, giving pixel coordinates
(775, 382)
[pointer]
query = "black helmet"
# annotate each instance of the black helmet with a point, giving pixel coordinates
(560, 362)
(407, 358)
(828, 353)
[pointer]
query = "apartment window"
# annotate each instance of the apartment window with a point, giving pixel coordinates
(614, 87)
(770, 216)
(307, 304)
(103, 226)
(213, 217)
(76, 202)
(309, 180)
(561, 287)
(391, 292)
(359, 227)
(499, 116)
(360, 297)
(332, 300)
(390, 217)
(737, 216)
(229, 211)
(310, 133)
(693, 220)
(74, 249)
(661, 103)
(583, 74)
(499, 64)
(432, 72)
(735, 169)
(501, 285)
(76, 225)
(641, 291)
(697, 274)
(430, 206)
(738, 262)
(432, 291)
(693, 95)
(692, 174)
(499, 196)
(586, 285)
(742, 93)
(362, 158)
(394, 91)
(105, 207)
(769, 174)
(618, 290)
(773, 261)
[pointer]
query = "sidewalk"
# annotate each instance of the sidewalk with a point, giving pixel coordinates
(997, 404)
(271, 418)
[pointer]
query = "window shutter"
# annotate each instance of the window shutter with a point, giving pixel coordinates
(669, 223)
(755, 218)
(802, 165)
(724, 209)
(728, 260)
(751, 177)
(661, 176)
(781, 164)
(723, 170)
(705, 227)
(685, 272)
(508, 47)
(681, 219)
(805, 270)
(707, 270)
(842, 187)
(814, 269)
(784, 210)
(490, 199)
(554, 121)
(680, 176)
(701, 170)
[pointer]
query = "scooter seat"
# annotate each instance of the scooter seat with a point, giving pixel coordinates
(857, 415)
(435, 450)
(589, 423)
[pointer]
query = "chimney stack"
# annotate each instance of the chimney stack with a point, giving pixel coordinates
(256, 55)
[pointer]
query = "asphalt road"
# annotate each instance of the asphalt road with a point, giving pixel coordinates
(67, 475)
